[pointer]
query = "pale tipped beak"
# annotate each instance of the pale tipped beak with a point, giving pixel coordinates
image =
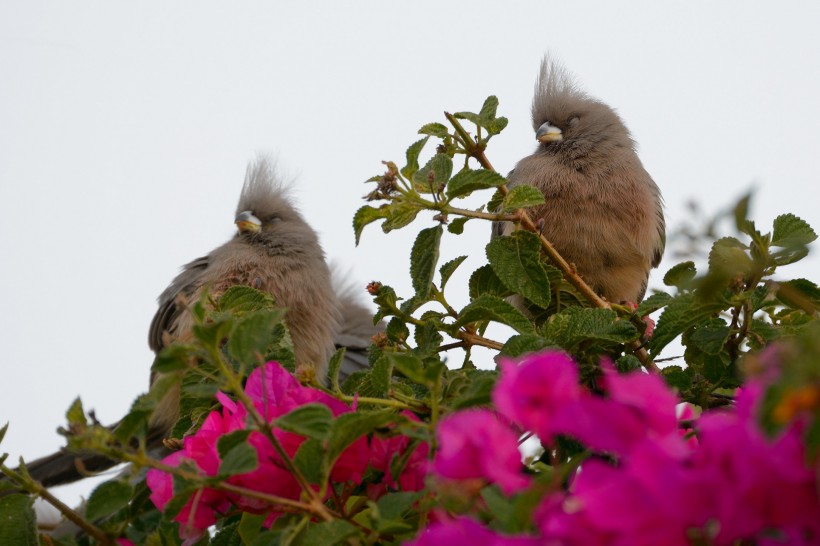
(548, 133)
(246, 222)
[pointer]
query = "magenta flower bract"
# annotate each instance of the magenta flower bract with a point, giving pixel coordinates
(475, 444)
(464, 531)
(274, 392)
(535, 391)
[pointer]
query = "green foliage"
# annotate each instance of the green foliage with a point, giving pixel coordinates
(17, 515)
(737, 303)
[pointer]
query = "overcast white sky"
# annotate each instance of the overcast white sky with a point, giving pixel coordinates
(125, 129)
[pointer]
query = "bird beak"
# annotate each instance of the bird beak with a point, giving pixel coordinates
(246, 222)
(548, 133)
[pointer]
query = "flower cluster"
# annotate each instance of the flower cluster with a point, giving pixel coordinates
(654, 472)
(274, 392)
(649, 480)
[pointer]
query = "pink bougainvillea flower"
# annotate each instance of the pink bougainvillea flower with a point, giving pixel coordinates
(636, 405)
(475, 444)
(199, 513)
(623, 504)
(647, 394)
(274, 392)
(468, 531)
(778, 489)
(383, 451)
(532, 392)
(733, 484)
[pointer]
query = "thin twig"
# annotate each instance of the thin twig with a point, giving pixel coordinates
(474, 339)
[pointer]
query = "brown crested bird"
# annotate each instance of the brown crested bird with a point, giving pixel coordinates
(274, 250)
(603, 213)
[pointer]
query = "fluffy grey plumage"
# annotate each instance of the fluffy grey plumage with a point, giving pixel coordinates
(603, 212)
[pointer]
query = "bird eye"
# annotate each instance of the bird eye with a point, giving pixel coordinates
(273, 218)
(573, 119)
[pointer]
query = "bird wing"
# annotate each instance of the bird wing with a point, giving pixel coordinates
(169, 310)
(661, 244)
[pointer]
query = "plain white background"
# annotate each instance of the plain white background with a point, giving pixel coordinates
(125, 129)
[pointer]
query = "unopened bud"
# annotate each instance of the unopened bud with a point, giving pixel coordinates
(373, 288)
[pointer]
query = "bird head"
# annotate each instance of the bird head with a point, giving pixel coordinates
(265, 212)
(567, 119)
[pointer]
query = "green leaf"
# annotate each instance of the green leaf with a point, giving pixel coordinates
(715, 367)
(413, 158)
(310, 420)
(328, 533)
(742, 214)
(711, 338)
(211, 334)
(495, 201)
(227, 535)
(75, 414)
(107, 498)
(428, 339)
(500, 506)
(399, 214)
(729, 257)
(412, 367)
(799, 294)
(683, 312)
(366, 215)
(311, 459)
(335, 365)
(789, 255)
(250, 525)
(434, 175)
(677, 378)
(485, 281)
(486, 307)
(349, 427)
(456, 226)
(252, 335)
(172, 358)
(516, 260)
(495, 126)
(468, 116)
(466, 182)
(680, 275)
(628, 363)
(653, 303)
(434, 129)
(18, 524)
(791, 231)
(478, 392)
(577, 325)
(380, 376)
(447, 270)
(240, 299)
(396, 505)
(488, 109)
(239, 459)
(522, 344)
(521, 197)
(423, 259)
(397, 330)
